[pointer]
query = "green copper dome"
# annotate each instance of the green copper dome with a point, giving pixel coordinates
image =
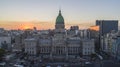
(60, 19)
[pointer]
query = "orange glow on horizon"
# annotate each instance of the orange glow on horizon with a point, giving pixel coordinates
(14, 25)
(96, 28)
(27, 27)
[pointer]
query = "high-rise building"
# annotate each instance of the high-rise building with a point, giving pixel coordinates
(106, 26)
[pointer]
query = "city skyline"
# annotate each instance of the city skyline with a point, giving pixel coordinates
(21, 14)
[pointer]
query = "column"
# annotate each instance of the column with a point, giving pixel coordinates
(66, 50)
(51, 52)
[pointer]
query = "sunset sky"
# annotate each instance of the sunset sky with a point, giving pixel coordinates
(19, 14)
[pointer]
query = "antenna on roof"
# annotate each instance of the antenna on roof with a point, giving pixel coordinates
(60, 9)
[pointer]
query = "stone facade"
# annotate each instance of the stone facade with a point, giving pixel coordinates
(88, 47)
(59, 43)
(31, 46)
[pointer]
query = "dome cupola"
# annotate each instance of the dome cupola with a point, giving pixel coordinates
(60, 19)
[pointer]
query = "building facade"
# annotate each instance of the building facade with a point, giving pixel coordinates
(59, 44)
(88, 47)
(106, 26)
(31, 46)
(5, 42)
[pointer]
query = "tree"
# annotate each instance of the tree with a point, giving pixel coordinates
(93, 56)
(2, 52)
(80, 54)
(4, 45)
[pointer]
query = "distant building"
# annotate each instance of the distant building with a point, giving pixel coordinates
(106, 26)
(110, 43)
(1, 30)
(73, 31)
(31, 46)
(118, 49)
(88, 47)
(17, 46)
(107, 42)
(84, 33)
(5, 42)
(74, 28)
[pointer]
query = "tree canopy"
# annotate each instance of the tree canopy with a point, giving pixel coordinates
(2, 52)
